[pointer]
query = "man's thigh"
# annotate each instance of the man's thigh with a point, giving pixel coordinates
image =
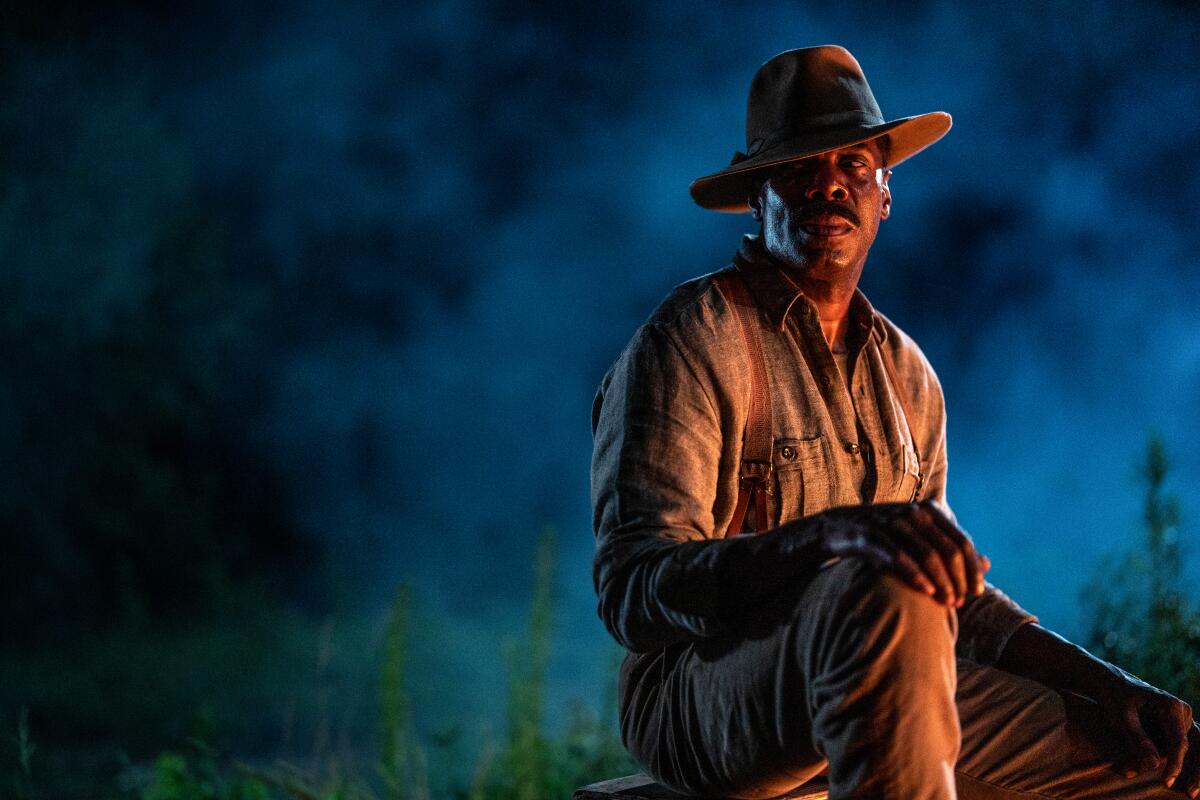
(731, 716)
(1023, 740)
(737, 717)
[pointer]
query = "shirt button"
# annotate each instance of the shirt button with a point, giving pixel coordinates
(788, 453)
(825, 380)
(852, 448)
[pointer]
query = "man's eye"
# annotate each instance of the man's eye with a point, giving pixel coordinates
(854, 163)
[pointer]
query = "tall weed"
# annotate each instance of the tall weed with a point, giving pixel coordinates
(1137, 613)
(527, 763)
(401, 757)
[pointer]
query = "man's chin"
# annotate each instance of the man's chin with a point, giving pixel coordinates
(825, 265)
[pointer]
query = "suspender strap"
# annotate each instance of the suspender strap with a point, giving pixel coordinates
(754, 473)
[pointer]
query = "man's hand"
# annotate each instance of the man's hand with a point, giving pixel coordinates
(915, 541)
(1158, 729)
(1155, 729)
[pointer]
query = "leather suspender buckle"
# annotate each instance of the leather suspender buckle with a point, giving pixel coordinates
(756, 475)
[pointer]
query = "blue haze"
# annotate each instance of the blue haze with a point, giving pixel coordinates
(465, 209)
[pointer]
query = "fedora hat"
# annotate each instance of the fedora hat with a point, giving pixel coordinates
(804, 102)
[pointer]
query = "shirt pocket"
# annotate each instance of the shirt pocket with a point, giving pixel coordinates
(906, 477)
(802, 480)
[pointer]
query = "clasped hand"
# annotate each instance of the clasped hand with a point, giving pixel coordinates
(917, 542)
(1158, 730)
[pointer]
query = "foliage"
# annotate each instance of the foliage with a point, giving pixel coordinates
(128, 492)
(527, 763)
(526, 758)
(401, 759)
(22, 777)
(175, 778)
(532, 765)
(1138, 615)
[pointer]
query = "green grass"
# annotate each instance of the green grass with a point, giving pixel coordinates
(340, 719)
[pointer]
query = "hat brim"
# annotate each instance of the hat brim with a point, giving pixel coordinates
(729, 189)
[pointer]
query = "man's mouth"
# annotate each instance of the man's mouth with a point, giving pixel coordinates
(829, 220)
(827, 225)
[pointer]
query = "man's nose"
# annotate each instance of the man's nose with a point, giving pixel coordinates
(825, 185)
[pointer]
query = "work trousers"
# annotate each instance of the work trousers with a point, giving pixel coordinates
(856, 677)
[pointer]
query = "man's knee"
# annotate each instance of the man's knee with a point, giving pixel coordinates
(853, 609)
(854, 580)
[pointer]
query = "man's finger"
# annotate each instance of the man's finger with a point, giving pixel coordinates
(1143, 754)
(925, 518)
(956, 568)
(1175, 762)
(974, 574)
(930, 561)
(1178, 749)
(902, 564)
(911, 573)
(1189, 778)
(963, 549)
(982, 565)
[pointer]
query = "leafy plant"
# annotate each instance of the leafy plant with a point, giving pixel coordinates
(401, 758)
(533, 765)
(177, 778)
(22, 779)
(527, 763)
(1138, 616)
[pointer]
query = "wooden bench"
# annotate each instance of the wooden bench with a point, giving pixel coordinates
(640, 787)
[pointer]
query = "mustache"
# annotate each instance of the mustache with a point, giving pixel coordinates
(822, 207)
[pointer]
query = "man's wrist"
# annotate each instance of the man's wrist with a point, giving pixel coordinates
(1114, 680)
(1044, 656)
(806, 539)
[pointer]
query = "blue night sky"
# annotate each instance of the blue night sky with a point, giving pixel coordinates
(460, 212)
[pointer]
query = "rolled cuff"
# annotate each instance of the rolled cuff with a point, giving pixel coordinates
(985, 624)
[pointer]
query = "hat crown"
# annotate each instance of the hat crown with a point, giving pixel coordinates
(802, 103)
(805, 91)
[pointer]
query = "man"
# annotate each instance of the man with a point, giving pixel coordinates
(854, 632)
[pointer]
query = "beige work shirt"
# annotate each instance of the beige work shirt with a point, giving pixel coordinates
(668, 423)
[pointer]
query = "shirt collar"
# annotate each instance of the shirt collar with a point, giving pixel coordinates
(778, 295)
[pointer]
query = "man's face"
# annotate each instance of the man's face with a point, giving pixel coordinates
(820, 214)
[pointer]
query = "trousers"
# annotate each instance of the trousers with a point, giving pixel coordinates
(856, 677)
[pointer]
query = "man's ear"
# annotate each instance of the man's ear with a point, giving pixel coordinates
(886, 209)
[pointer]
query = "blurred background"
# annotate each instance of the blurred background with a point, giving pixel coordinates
(304, 305)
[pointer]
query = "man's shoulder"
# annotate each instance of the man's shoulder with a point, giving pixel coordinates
(691, 325)
(694, 303)
(686, 340)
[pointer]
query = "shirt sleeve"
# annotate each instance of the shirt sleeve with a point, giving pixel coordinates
(662, 573)
(656, 442)
(986, 622)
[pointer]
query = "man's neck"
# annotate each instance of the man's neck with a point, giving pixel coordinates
(832, 297)
(833, 307)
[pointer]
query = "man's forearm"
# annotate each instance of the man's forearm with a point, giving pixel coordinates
(690, 590)
(1042, 655)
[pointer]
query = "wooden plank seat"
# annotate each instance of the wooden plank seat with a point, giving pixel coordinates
(640, 787)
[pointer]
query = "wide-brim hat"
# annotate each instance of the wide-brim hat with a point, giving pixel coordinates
(805, 102)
